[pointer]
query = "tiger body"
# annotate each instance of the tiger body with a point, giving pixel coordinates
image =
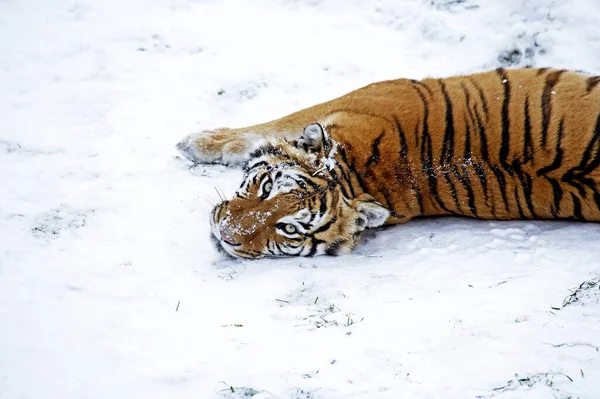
(504, 144)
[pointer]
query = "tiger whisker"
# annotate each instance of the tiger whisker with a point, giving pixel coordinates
(218, 193)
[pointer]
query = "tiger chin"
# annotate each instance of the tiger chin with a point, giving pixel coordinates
(499, 145)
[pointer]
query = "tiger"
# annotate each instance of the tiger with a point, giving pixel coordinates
(505, 144)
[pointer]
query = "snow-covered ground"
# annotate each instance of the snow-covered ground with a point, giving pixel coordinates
(111, 288)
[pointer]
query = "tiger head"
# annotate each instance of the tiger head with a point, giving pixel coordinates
(291, 203)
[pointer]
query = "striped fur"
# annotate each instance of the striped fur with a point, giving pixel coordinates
(505, 144)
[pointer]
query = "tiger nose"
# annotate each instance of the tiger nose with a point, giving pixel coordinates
(227, 236)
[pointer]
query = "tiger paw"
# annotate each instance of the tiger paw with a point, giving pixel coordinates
(214, 146)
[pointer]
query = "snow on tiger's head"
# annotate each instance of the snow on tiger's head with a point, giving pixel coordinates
(292, 202)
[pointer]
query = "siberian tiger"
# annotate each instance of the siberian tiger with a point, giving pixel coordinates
(504, 144)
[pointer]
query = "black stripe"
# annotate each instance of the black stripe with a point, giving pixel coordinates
(597, 199)
(484, 103)
(467, 151)
(403, 151)
(579, 185)
(518, 201)
(375, 156)
(486, 159)
(300, 183)
(483, 147)
(314, 245)
(347, 179)
(479, 168)
(505, 145)
(448, 144)
(551, 81)
(306, 180)
(577, 176)
(463, 177)
(252, 252)
(388, 201)
(452, 188)
(447, 157)
(576, 207)
(268, 149)
(501, 184)
(428, 170)
(464, 180)
(352, 169)
(305, 226)
(359, 178)
(323, 205)
(416, 133)
(528, 141)
(269, 247)
(592, 82)
(467, 155)
(471, 120)
(427, 156)
(336, 181)
(480, 172)
(294, 247)
(405, 164)
(370, 176)
(541, 71)
(524, 178)
(526, 184)
(323, 228)
(256, 165)
(279, 248)
(332, 126)
(312, 202)
(241, 252)
(421, 84)
(558, 194)
(325, 142)
(334, 248)
(559, 153)
(595, 142)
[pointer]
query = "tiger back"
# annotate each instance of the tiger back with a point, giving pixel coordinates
(520, 144)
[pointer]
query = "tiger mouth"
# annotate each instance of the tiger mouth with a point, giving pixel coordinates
(230, 250)
(219, 247)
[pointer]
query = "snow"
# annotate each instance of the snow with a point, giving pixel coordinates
(111, 288)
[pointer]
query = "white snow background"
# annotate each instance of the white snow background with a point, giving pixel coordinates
(111, 288)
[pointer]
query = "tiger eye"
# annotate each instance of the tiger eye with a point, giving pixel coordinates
(290, 229)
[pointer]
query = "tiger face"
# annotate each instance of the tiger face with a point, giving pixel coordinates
(290, 203)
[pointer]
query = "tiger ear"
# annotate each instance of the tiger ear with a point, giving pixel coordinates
(314, 139)
(370, 212)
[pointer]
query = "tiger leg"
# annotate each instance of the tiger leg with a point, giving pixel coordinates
(233, 146)
(222, 146)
